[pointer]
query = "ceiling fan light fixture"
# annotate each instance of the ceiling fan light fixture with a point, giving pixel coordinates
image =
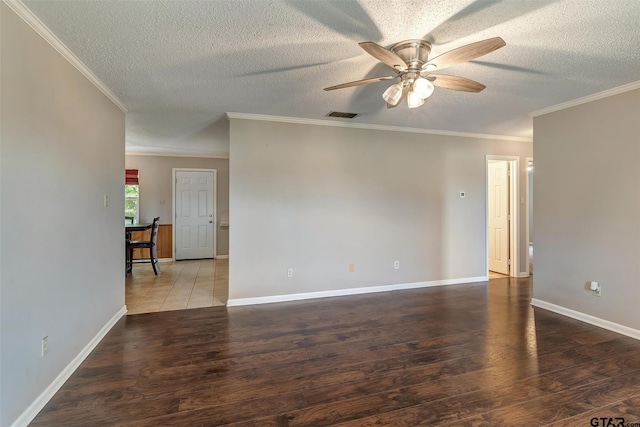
(422, 88)
(393, 94)
(414, 100)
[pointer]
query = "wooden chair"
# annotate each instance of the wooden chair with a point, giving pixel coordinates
(146, 244)
(127, 239)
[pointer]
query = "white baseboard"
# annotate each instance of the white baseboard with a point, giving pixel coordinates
(222, 257)
(351, 291)
(592, 320)
(30, 413)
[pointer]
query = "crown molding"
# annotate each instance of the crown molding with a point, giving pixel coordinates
(164, 154)
(298, 120)
(34, 22)
(600, 95)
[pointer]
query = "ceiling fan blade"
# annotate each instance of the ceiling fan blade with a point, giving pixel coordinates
(384, 55)
(456, 83)
(360, 82)
(464, 54)
(405, 91)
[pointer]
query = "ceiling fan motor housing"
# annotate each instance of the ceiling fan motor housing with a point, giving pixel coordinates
(414, 52)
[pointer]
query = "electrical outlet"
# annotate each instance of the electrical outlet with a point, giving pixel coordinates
(290, 272)
(45, 346)
(352, 268)
(396, 265)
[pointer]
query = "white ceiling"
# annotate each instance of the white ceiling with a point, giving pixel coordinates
(180, 65)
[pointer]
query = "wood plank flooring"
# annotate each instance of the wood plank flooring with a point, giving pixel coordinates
(463, 355)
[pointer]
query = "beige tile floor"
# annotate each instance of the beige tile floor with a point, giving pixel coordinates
(494, 275)
(180, 285)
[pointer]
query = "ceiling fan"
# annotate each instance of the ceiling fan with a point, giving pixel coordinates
(418, 74)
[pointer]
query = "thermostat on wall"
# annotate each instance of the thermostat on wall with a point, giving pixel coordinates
(462, 194)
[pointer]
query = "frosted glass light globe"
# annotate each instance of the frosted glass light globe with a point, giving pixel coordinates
(423, 87)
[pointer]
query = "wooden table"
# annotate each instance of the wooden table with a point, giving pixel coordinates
(128, 229)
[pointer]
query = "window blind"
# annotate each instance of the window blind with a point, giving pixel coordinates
(131, 176)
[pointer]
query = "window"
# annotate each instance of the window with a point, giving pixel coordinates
(131, 201)
(131, 194)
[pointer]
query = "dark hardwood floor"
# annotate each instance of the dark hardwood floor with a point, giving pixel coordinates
(473, 355)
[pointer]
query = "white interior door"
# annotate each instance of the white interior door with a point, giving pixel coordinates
(498, 187)
(195, 214)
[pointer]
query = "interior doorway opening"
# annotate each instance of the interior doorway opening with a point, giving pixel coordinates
(530, 216)
(502, 220)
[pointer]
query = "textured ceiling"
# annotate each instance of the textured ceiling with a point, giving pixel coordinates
(180, 65)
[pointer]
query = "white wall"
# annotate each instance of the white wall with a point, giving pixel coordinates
(155, 188)
(317, 198)
(587, 207)
(62, 265)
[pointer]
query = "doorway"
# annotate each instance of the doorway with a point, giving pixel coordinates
(502, 215)
(194, 213)
(530, 215)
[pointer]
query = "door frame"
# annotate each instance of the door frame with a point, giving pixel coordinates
(173, 207)
(514, 224)
(528, 200)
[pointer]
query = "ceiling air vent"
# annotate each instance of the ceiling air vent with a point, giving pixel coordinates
(341, 115)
